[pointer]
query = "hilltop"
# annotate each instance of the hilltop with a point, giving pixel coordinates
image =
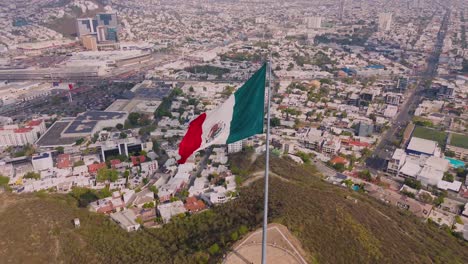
(37, 228)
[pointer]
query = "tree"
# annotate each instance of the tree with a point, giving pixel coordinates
(425, 198)
(78, 163)
(325, 81)
(304, 156)
(119, 126)
(449, 153)
(4, 181)
(339, 167)
(448, 177)
(59, 150)
(191, 89)
(192, 101)
(243, 230)
(105, 174)
(148, 205)
(214, 249)
(234, 236)
(439, 200)
(133, 118)
(462, 172)
(366, 152)
(228, 90)
(154, 189)
(275, 121)
(177, 92)
(123, 135)
(32, 175)
(413, 183)
(365, 174)
(79, 141)
(103, 193)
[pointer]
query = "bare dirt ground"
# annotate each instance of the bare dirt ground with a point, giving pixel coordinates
(282, 248)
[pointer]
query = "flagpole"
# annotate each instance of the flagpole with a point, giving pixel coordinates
(267, 167)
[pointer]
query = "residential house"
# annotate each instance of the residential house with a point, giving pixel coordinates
(168, 210)
(126, 220)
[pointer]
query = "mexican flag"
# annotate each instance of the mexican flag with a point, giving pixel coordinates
(239, 117)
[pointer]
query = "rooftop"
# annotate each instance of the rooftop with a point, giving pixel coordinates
(422, 145)
(53, 135)
(85, 122)
(125, 218)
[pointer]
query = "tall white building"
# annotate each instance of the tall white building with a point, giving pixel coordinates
(385, 21)
(235, 147)
(14, 135)
(314, 22)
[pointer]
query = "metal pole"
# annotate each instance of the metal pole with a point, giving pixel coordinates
(267, 166)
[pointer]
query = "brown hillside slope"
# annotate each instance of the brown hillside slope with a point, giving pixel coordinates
(332, 229)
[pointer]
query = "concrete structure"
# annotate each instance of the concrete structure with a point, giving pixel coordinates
(331, 146)
(42, 161)
(124, 147)
(396, 162)
(385, 21)
(103, 28)
(126, 220)
(168, 210)
(446, 91)
(85, 26)
(460, 153)
(235, 147)
(366, 129)
(90, 122)
(418, 146)
(314, 22)
(89, 42)
(393, 98)
(28, 133)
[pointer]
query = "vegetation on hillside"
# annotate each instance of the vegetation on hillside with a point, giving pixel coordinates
(332, 228)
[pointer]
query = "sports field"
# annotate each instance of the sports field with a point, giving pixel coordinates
(459, 140)
(430, 134)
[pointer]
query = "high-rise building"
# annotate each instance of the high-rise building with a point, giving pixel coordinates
(385, 21)
(108, 20)
(342, 9)
(101, 33)
(103, 28)
(314, 22)
(86, 26)
(89, 42)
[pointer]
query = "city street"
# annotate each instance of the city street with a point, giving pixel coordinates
(384, 149)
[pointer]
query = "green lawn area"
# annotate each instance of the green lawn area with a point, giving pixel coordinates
(430, 134)
(458, 140)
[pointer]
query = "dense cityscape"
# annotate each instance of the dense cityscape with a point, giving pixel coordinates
(368, 110)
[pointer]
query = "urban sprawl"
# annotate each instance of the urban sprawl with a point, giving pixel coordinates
(96, 96)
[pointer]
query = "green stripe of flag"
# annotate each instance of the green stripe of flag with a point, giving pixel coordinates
(249, 107)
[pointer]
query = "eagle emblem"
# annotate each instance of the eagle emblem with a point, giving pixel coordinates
(215, 131)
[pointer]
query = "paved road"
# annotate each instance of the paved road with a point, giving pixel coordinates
(384, 148)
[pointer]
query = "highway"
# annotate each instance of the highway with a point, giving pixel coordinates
(384, 148)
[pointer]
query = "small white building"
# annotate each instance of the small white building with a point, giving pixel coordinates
(126, 219)
(42, 161)
(167, 211)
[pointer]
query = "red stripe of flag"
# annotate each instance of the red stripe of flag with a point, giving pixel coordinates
(192, 140)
